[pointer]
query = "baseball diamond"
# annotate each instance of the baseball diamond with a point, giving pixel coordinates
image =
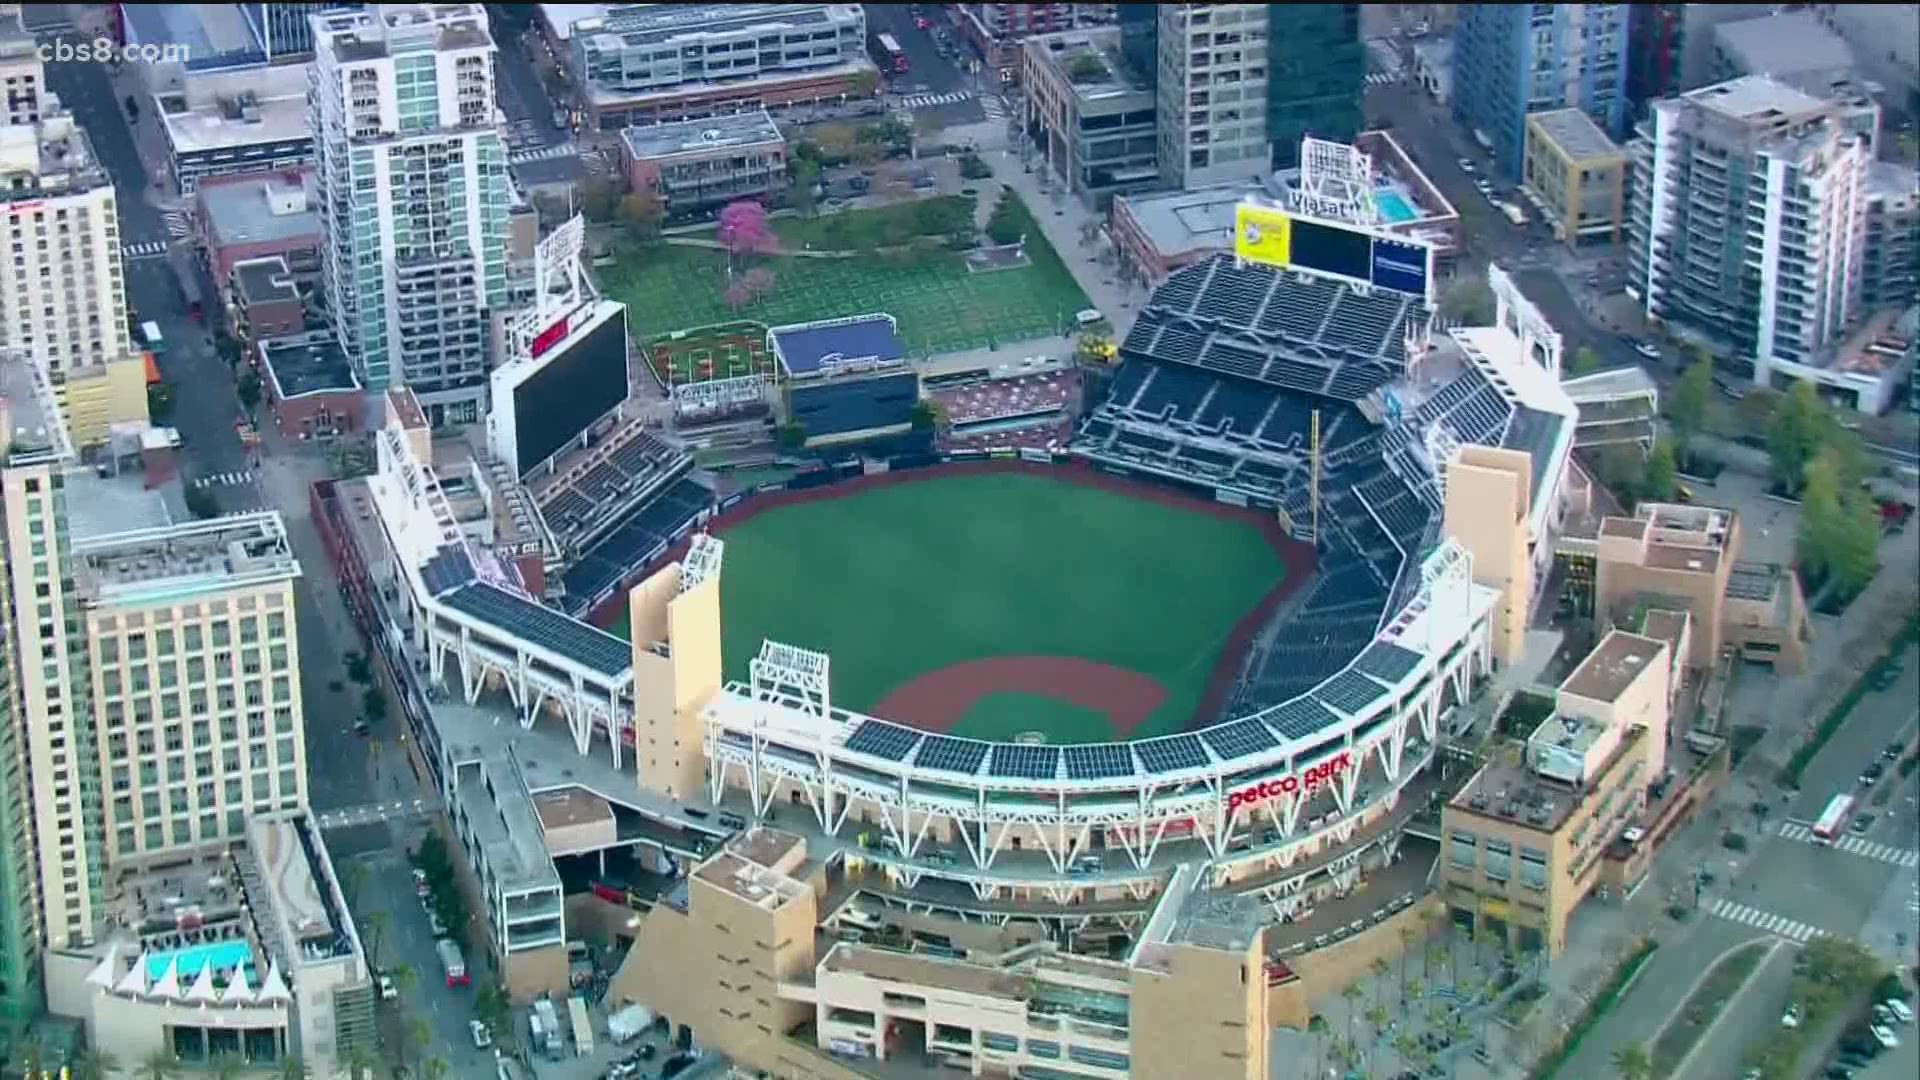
(997, 597)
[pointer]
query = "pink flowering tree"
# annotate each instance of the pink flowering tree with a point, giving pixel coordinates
(744, 229)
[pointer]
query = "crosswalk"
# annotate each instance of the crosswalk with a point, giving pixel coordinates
(544, 153)
(1381, 78)
(225, 479)
(179, 225)
(1779, 925)
(1854, 845)
(145, 249)
(927, 101)
(993, 107)
(371, 813)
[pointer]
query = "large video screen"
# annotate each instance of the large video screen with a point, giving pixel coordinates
(1331, 250)
(584, 379)
(1401, 267)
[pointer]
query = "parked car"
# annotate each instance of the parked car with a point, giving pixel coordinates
(388, 991)
(1893, 752)
(1901, 1010)
(1860, 824)
(1872, 773)
(1884, 1035)
(1791, 1018)
(482, 1037)
(1466, 166)
(420, 886)
(1647, 349)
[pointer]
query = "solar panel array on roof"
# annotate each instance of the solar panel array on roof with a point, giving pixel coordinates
(1239, 738)
(449, 569)
(1351, 692)
(527, 621)
(1172, 753)
(951, 755)
(1301, 718)
(883, 740)
(1100, 761)
(1388, 662)
(1012, 761)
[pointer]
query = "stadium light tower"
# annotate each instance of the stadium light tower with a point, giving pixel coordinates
(1336, 182)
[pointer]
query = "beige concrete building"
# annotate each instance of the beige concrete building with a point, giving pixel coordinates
(1526, 837)
(1190, 998)
(1576, 176)
(1487, 501)
(1687, 558)
(195, 679)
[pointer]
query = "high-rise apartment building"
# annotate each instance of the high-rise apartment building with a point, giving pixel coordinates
(414, 196)
(22, 82)
(1239, 84)
(1316, 68)
(1513, 60)
(150, 675)
(1748, 222)
(286, 30)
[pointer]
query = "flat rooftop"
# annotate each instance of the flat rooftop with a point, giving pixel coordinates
(650, 24)
(390, 29)
(256, 210)
(1510, 792)
(501, 815)
(1667, 626)
(1612, 666)
(1180, 222)
(108, 505)
(814, 349)
(227, 126)
(1755, 99)
(1575, 133)
(54, 157)
(1876, 348)
(750, 880)
(308, 364)
(1784, 44)
(1087, 60)
(1210, 920)
(301, 893)
(261, 280)
(613, 96)
(214, 35)
(175, 561)
(570, 806)
(920, 969)
(701, 136)
(32, 429)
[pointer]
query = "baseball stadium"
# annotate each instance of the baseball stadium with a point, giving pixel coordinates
(1206, 641)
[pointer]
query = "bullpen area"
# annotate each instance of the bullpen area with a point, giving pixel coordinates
(1002, 600)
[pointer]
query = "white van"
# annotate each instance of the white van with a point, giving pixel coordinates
(1088, 317)
(1900, 1010)
(857, 917)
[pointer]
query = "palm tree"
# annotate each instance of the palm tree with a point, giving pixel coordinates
(95, 1064)
(1317, 1027)
(227, 1066)
(1435, 954)
(1351, 994)
(359, 1062)
(292, 1068)
(417, 1035)
(405, 977)
(1377, 1016)
(1632, 1063)
(1407, 938)
(158, 1065)
(434, 1068)
(1381, 969)
(493, 1007)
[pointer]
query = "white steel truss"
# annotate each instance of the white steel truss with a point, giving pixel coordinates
(1336, 181)
(705, 552)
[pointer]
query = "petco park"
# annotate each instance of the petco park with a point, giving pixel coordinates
(1425, 469)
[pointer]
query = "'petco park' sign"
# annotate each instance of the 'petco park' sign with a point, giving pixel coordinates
(1312, 778)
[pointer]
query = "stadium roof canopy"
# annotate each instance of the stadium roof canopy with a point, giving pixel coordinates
(810, 349)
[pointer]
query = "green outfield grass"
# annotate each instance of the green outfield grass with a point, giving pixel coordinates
(902, 580)
(940, 306)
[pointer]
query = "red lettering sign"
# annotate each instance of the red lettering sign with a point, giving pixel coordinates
(548, 338)
(1310, 779)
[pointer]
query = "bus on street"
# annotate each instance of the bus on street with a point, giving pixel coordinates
(454, 962)
(1833, 819)
(887, 53)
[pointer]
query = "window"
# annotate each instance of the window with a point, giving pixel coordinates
(1533, 869)
(994, 1040)
(1499, 860)
(1461, 852)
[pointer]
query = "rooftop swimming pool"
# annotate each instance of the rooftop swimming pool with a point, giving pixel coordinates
(222, 956)
(1395, 208)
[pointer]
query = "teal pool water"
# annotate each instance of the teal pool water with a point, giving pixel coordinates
(223, 956)
(1394, 207)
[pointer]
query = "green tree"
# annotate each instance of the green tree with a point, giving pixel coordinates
(865, 82)
(434, 1068)
(405, 977)
(1468, 300)
(1632, 1063)
(599, 199)
(642, 214)
(1381, 969)
(925, 415)
(1658, 483)
(1585, 362)
(806, 185)
(492, 1007)
(1351, 994)
(160, 402)
(791, 436)
(291, 1067)
(226, 1066)
(1688, 400)
(201, 503)
(1839, 532)
(95, 1063)
(248, 388)
(158, 1065)
(373, 927)
(359, 1062)
(1010, 220)
(1795, 435)
(374, 704)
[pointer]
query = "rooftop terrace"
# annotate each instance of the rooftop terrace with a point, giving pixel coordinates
(176, 561)
(1510, 791)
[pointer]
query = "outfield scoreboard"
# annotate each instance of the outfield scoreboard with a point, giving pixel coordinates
(1368, 256)
(574, 374)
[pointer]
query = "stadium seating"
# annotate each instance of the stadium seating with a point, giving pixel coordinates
(612, 489)
(636, 541)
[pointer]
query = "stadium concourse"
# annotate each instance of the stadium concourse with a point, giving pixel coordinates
(1015, 408)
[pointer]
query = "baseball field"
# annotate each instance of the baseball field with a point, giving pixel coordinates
(999, 600)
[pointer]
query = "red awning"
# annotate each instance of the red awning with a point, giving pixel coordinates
(153, 370)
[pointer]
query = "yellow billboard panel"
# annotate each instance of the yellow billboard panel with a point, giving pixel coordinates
(1262, 234)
